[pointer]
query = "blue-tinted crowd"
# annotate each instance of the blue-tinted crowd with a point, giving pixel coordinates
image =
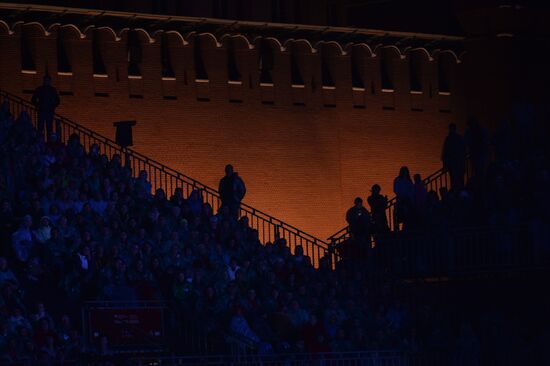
(77, 225)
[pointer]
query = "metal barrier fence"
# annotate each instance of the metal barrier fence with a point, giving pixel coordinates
(450, 252)
(143, 326)
(463, 251)
(128, 326)
(367, 358)
(162, 177)
(189, 332)
(240, 347)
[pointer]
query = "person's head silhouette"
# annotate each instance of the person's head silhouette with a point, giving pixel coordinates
(452, 128)
(473, 123)
(404, 173)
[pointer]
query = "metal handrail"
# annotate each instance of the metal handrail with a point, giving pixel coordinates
(373, 357)
(161, 176)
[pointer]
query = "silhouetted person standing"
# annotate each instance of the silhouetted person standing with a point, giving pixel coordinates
(453, 157)
(358, 218)
(46, 100)
(477, 141)
(403, 188)
(378, 204)
(232, 191)
(420, 197)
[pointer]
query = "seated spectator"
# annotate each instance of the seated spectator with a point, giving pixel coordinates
(239, 325)
(43, 233)
(44, 335)
(298, 316)
(17, 321)
(341, 342)
(22, 240)
(41, 314)
(232, 269)
(6, 275)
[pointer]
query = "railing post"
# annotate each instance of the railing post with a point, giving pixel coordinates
(127, 159)
(277, 234)
(331, 253)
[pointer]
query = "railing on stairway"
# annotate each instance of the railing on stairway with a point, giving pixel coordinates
(435, 181)
(269, 228)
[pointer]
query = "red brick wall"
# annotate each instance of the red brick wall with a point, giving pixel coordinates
(304, 153)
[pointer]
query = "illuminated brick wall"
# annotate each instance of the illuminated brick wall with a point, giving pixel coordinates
(305, 152)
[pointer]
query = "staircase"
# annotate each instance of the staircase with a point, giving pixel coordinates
(437, 180)
(269, 228)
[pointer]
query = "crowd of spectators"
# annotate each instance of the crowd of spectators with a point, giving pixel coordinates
(77, 226)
